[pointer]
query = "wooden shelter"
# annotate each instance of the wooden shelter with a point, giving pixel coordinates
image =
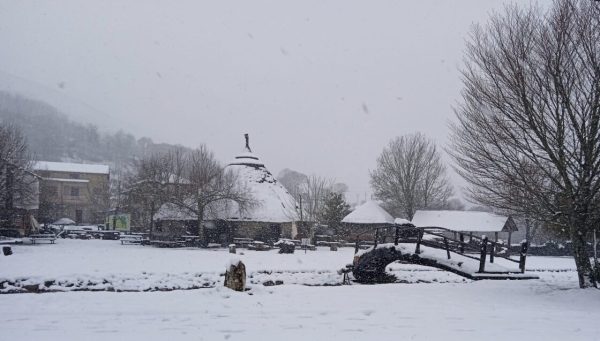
(467, 222)
(367, 222)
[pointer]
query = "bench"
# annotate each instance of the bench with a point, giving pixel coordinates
(131, 239)
(37, 238)
(167, 243)
(242, 242)
(259, 246)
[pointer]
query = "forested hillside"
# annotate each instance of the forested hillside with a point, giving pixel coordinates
(52, 136)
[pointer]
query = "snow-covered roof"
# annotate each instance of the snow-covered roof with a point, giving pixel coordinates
(275, 203)
(70, 167)
(369, 213)
(67, 180)
(464, 221)
(401, 221)
(64, 221)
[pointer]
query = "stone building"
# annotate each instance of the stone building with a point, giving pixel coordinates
(275, 215)
(71, 190)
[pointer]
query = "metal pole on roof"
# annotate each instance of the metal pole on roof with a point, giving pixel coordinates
(247, 137)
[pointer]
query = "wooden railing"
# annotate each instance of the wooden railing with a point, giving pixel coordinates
(449, 244)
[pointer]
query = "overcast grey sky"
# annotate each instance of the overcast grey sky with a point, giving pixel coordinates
(321, 86)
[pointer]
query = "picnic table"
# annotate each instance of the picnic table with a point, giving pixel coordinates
(242, 242)
(37, 238)
(259, 246)
(168, 243)
(132, 239)
(190, 240)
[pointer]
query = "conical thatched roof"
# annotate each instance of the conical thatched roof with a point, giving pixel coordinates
(275, 203)
(369, 213)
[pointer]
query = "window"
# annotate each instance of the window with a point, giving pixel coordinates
(74, 191)
(74, 175)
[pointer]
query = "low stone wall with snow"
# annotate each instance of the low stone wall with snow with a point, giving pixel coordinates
(161, 281)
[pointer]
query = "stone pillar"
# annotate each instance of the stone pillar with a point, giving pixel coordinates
(235, 276)
(6, 250)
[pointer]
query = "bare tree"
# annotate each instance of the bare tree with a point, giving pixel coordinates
(16, 179)
(309, 193)
(528, 132)
(454, 204)
(313, 193)
(292, 181)
(410, 176)
(150, 186)
(207, 186)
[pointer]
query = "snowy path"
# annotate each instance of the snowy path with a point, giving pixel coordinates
(484, 310)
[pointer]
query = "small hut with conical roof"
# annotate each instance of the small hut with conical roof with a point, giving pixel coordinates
(275, 212)
(365, 220)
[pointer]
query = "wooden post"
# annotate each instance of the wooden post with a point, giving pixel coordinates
(462, 243)
(524, 247)
(447, 248)
(484, 242)
(397, 236)
(492, 251)
(356, 245)
(376, 237)
(470, 237)
(496, 237)
(419, 238)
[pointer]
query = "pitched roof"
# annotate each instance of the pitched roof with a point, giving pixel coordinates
(464, 221)
(70, 167)
(369, 213)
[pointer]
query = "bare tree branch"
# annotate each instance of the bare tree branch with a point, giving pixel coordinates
(411, 176)
(527, 138)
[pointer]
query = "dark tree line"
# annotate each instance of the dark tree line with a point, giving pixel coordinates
(52, 136)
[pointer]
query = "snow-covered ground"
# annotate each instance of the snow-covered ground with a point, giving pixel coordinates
(91, 257)
(441, 305)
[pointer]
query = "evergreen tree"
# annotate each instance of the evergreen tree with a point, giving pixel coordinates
(335, 208)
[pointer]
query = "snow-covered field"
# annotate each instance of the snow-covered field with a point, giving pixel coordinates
(434, 305)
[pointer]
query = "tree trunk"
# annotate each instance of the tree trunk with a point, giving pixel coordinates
(152, 209)
(201, 234)
(582, 259)
(9, 195)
